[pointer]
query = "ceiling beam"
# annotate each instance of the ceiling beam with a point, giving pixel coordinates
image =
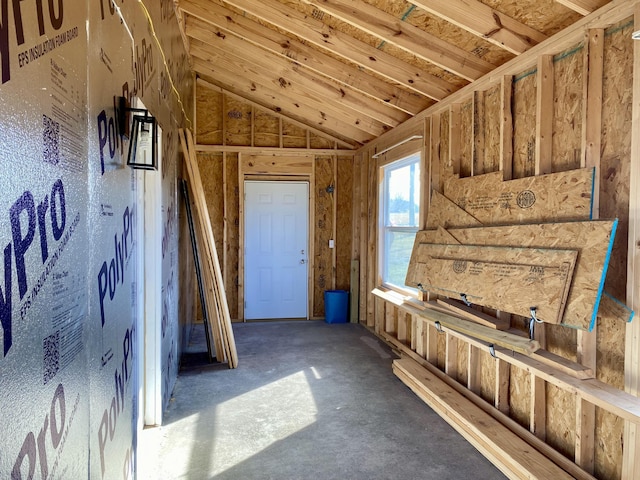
(287, 69)
(485, 22)
(269, 111)
(279, 102)
(405, 36)
(338, 43)
(301, 94)
(309, 57)
(273, 150)
(583, 7)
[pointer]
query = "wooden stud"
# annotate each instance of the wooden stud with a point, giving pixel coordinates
(631, 439)
(591, 148)
(544, 115)
(354, 290)
(240, 239)
(425, 172)
(477, 133)
(538, 413)
(506, 128)
(364, 238)
(419, 345)
(451, 356)
(434, 165)
(431, 342)
(372, 222)
(474, 369)
(503, 374)
(454, 137)
(403, 332)
(390, 319)
(334, 219)
(414, 332)
(225, 227)
(223, 112)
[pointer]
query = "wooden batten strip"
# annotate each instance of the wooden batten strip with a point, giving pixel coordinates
(474, 315)
(512, 455)
(561, 196)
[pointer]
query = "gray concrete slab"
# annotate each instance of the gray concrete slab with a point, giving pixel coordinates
(308, 400)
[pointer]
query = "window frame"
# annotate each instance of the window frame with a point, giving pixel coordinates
(385, 168)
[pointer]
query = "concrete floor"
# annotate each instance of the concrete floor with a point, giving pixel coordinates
(309, 400)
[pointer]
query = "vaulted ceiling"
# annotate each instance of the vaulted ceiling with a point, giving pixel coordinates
(357, 68)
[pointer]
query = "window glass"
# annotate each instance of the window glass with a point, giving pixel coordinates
(400, 214)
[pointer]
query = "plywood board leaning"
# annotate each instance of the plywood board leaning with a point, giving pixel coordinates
(593, 240)
(445, 213)
(512, 455)
(505, 278)
(554, 197)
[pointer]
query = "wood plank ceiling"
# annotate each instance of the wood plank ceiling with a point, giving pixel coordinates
(357, 68)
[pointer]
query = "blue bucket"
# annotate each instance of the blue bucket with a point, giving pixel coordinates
(336, 306)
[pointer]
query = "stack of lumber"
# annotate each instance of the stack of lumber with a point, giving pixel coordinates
(516, 245)
(219, 328)
(512, 455)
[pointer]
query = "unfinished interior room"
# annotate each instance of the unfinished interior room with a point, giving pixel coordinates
(333, 219)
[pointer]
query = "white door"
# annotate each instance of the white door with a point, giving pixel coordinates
(276, 249)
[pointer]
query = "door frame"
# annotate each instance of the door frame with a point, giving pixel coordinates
(276, 168)
(149, 289)
(289, 181)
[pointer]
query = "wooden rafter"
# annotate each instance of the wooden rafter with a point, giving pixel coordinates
(303, 98)
(256, 106)
(281, 69)
(347, 47)
(277, 102)
(583, 7)
(311, 58)
(485, 22)
(405, 36)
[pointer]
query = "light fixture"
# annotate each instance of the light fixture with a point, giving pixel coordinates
(143, 140)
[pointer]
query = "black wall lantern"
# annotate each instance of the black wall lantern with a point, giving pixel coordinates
(143, 140)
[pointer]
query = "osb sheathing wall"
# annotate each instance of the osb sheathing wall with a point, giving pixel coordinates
(225, 120)
(463, 136)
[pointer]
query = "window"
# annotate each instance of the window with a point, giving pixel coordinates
(399, 218)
